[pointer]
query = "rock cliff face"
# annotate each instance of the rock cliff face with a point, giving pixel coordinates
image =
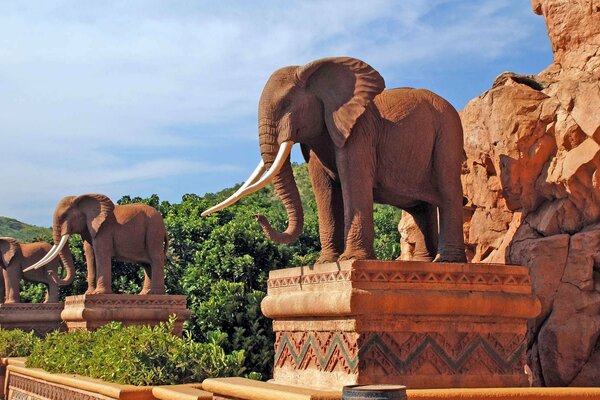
(532, 181)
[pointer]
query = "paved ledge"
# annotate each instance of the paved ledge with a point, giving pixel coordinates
(191, 391)
(246, 389)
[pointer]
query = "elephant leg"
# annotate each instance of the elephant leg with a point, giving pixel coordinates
(12, 281)
(90, 266)
(154, 278)
(330, 208)
(51, 286)
(357, 190)
(447, 161)
(451, 246)
(157, 269)
(103, 263)
(147, 279)
(426, 235)
(154, 281)
(52, 293)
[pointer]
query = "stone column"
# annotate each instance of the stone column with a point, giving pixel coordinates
(91, 311)
(423, 325)
(39, 317)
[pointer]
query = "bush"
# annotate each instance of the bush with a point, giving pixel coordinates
(16, 343)
(136, 355)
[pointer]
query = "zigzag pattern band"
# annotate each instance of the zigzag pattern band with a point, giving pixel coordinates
(341, 352)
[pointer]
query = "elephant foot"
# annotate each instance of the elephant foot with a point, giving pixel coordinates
(356, 255)
(451, 258)
(102, 291)
(327, 257)
(151, 291)
(451, 254)
(417, 258)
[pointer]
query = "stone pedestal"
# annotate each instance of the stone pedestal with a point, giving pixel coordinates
(92, 311)
(423, 325)
(40, 317)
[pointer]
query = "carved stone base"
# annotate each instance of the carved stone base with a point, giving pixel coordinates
(93, 311)
(423, 325)
(39, 317)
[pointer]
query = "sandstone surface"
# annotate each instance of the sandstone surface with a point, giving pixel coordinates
(532, 187)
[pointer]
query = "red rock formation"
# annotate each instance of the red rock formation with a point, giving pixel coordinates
(532, 181)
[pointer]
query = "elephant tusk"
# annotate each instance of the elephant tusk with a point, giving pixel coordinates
(251, 187)
(51, 254)
(282, 155)
(256, 174)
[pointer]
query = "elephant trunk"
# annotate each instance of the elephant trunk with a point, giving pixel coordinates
(285, 187)
(67, 261)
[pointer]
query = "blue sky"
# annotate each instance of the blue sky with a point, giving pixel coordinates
(143, 97)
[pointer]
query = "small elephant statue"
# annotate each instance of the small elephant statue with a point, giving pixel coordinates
(363, 144)
(15, 256)
(132, 233)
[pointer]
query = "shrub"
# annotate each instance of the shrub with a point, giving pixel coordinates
(16, 343)
(136, 355)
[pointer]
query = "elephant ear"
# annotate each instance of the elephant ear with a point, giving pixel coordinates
(96, 208)
(345, 86)
(8, 248)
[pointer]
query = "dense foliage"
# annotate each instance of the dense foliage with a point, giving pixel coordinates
(136, 355)
(221, 262)
(16, 343)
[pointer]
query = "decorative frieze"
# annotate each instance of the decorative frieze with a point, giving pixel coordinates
(92, 311)
(39, 317)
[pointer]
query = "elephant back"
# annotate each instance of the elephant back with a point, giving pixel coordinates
(33, 252)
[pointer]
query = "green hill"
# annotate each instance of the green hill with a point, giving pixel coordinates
(22, 231)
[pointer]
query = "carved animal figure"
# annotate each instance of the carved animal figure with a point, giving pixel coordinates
(132, 233)
(402, 147)
(15, 256)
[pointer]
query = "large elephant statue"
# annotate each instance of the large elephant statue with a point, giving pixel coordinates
(132, 233)
(402, 147)
(15, 256)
